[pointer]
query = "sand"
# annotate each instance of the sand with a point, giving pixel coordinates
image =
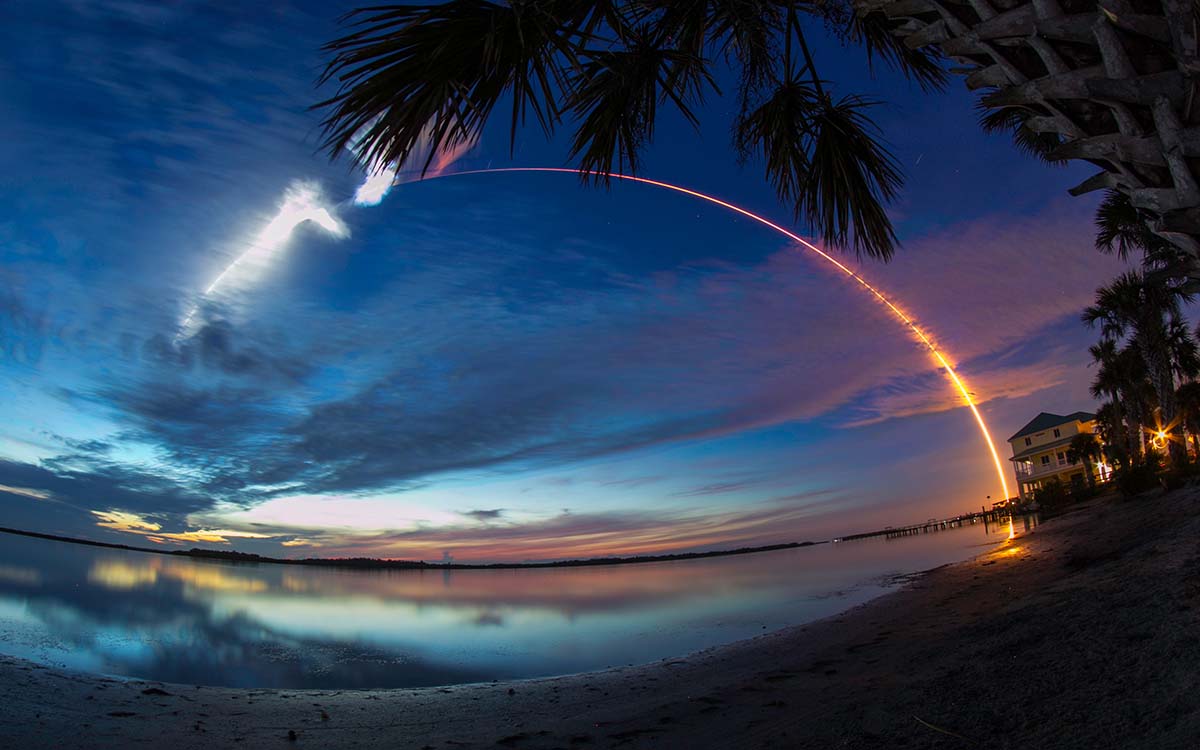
(1084, 633)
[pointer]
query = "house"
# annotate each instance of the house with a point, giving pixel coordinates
(1040, 451)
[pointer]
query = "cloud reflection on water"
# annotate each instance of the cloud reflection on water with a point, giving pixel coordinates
(205, 622)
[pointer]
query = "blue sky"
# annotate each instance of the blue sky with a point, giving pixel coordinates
(498, 366)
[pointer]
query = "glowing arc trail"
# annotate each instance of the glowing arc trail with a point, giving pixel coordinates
(911, 324)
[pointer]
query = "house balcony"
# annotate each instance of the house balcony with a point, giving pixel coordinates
(1029, 470)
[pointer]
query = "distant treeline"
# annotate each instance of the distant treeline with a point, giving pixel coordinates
(372, 563)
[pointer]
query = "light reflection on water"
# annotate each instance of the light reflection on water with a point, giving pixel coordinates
(202, 622)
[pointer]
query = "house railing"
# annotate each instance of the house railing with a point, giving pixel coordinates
(1027, 469)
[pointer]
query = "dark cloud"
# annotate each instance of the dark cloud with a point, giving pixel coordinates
(485, 515)
(217, 346)
(89, 447)
(75, 485)
(90, 482)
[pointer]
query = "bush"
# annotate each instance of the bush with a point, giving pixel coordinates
(1134, 480)
(1052, 497)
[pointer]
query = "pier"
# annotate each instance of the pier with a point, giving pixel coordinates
(932, 525)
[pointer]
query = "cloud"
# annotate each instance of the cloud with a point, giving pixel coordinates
(74, 482)
(29, 492)
(424, 350)
(446, 370)
(127, 522)
(485, 515)
(930, 396)
(577, 534)
(717, 488)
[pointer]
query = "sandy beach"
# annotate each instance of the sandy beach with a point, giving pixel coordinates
(1084, 633)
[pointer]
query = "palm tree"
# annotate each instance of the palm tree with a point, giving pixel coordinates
(1110, 425)
(1132, 308)
(1106, 82)
(1188, 398)
(1086, 448)
(1183, 351)
(1122, 228)
(410, 74)
(1121, 377)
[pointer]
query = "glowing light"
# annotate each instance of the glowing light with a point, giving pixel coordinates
(375, 188)
(302, 202)
(381, 177)
(904, 318)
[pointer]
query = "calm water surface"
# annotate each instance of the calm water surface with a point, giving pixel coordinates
(199, 622)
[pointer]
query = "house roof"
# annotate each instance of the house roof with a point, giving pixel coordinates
(1046, 420)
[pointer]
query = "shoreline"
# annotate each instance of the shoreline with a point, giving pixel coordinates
(374, 563)
(1081, 633)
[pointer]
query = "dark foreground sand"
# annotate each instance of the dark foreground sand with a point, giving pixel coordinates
(1082, 634)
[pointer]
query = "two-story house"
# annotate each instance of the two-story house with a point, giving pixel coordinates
(1040, 451)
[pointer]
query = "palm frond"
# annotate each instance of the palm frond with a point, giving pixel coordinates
(777, 129)
(1012, 120)
(873, 31)
(412, 72)
(1184, 351)
(852, 176)
(615, 94)
(1119, 226)
(1118, 305)
(742, 31)
(822, 158)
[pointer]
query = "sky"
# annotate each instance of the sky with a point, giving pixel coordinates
(489, 367)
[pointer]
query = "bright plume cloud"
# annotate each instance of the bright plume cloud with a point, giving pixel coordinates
(302, 203)
(424, 161)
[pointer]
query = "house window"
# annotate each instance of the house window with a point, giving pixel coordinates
(1057, 434)
(1045, 460)
(1028, 441)
(1062, 459)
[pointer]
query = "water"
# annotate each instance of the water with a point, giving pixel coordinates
(200, 622)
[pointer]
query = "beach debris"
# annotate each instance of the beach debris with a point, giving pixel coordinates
(291, 735)
(324, 716)
(154, 691)
(121, 714)
(512, 691)
(935, 728)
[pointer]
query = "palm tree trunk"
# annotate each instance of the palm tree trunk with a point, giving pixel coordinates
(1158, 362)
(1102, 101)
(1120, 441)
(1133, 429)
